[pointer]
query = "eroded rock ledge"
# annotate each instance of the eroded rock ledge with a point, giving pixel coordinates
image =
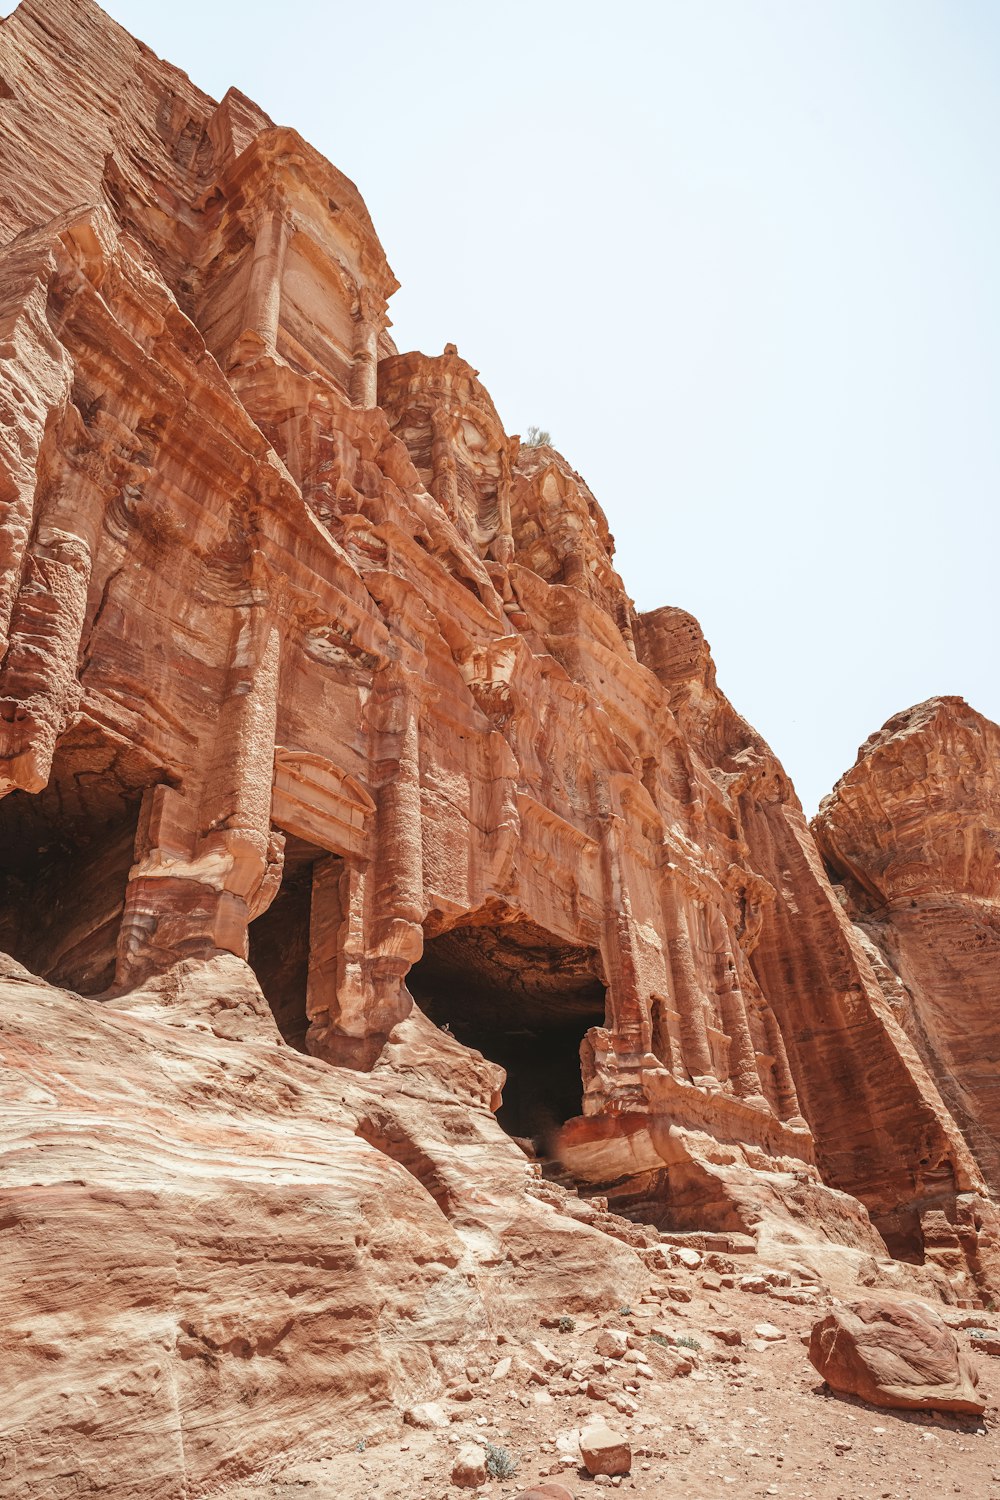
(367, 858)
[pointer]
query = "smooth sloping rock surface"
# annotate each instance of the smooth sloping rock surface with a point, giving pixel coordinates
(897, 1354)
(202, 1248)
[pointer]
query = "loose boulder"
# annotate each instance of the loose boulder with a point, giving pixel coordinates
(605, 1451)
(895, 1354)
(469, 1468)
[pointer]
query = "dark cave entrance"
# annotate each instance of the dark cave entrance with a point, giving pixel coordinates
(279, 941)
(65, 857)
(525, 999)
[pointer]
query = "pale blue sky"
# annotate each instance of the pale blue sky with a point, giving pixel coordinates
(740, 257)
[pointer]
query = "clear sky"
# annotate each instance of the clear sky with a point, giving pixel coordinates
(740, 257)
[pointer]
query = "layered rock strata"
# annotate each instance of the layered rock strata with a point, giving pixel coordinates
(912, 836)
(325, 719)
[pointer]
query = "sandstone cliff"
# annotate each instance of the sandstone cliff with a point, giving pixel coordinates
(912, 832)
(367, 858)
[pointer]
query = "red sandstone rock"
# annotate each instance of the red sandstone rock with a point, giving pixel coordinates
(341, 777)
(604, 1450)
(913, 832)
(897, 1354)
(469, 1469)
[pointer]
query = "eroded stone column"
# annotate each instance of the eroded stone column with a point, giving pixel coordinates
(39, 687)
(732, 1006)
(443, 461)
(742, 1053)
(272, 231)
(501, 548)
(629, 1012)
(784, 1083)
(207, 862)
(364, 371)
(687, 993)
(399, 878)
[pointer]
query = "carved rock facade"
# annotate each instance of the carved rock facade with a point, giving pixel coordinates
(308, 669)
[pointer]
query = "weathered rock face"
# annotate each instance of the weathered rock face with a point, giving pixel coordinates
(913, 833)
(325, 717)
(208, 1238)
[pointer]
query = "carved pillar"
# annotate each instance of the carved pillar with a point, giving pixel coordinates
(364, 371)
(272, 231)
(502, 547)
(630, 1020)
(368, 922)
(742, 1053)
(688, 996)
(399, 891)
(206, 864)
(39, 688)
(443, 461)
(788, 1099)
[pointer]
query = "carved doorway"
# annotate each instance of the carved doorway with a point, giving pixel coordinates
(279, 942)
(65, 857)
(525, 999)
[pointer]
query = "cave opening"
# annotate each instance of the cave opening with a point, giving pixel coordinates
(279, 941)
(67, 853)
(524, 999)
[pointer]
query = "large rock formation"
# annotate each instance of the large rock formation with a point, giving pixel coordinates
(316, 686)
(912, 832)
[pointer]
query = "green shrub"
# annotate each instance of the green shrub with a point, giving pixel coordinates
(566, 1325)
(684, 1342)
(500, 1464)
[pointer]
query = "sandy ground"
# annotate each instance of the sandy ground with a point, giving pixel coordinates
(727, 1420)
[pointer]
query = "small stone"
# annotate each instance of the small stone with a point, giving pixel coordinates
(544, 1356)
(426, 1414)
(502, 1368)
(729, 1336)
(469, 1469)
(768, 1332)
(605, 1451)
(689, 1258)
(544, 1492)
(612, 1343)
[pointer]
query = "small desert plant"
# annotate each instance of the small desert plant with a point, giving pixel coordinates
(625, 1312)
(537, 438)
(499, 1462)
(566, 1325)
(980, 1333)
(360, 1445)
(684, 1342)
(658, 1338)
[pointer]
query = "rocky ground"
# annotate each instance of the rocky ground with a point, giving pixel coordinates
(708, 1378)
